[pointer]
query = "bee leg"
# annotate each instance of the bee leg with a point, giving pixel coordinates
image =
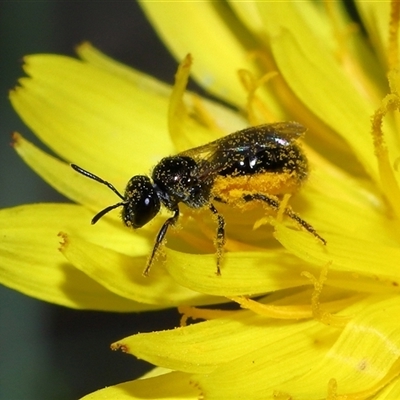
(220, 240)
(291, 214)
(159, 239)
(275, 204)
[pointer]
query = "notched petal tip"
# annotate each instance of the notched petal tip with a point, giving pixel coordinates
(15, 140)
(20, 85)
(119, 346)
(12, 91)
(27, 60)
(64, 242)
(187, 61)
(82, 46)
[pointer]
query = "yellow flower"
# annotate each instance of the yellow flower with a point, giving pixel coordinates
(324, 325)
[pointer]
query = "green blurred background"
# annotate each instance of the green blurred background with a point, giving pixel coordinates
(49, 352)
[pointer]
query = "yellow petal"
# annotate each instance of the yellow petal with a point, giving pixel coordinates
(364, 353)
(202, 347)
(370, 259)
(215, 65)
(242, 273)
(67, 181)
(185, 131)
(375, 17)
(330, 213)
(329, 180)
(31, 263)
(100, 60)
(226, 119)
(333, 100)
(81, 111)
(112, 234)
(123, 275)
(258, 374)
(172, 386)
(358, 358)
(391, 391)
(306, 19)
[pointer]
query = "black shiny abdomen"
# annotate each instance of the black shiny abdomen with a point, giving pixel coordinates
(277, 158)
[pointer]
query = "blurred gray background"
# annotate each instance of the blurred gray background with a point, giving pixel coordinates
(49, 352)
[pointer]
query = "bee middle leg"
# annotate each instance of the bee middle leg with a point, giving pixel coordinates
(275, 204)
(220, 239)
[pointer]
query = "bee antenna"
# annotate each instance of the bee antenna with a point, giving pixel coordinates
(108, 184)
(106, 210)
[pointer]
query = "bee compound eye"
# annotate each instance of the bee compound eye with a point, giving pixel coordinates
(142, 202)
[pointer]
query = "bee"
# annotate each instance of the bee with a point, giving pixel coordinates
(257, 164)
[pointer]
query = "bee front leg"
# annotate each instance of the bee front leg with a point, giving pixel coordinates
(220, 239)
(159, 239)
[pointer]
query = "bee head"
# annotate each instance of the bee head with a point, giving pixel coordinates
(140, 204)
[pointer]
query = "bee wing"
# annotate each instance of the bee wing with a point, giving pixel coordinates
(289, 130)
(220, 154)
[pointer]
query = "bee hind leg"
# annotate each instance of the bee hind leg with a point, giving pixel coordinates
(275, 204)
(220, 239)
